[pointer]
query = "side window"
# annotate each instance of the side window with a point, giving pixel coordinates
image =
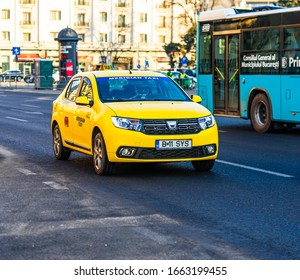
(86, 89)
(260, 40)
(72, 90)
(292, 38)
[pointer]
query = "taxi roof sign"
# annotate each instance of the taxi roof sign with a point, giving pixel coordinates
(106, 67)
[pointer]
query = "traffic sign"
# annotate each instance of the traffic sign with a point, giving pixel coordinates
(184, 61)
(16, 50)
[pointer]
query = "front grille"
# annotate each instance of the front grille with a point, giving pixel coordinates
(150, 153)
(161, 127)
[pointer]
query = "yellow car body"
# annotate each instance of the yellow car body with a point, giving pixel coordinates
(155, 121)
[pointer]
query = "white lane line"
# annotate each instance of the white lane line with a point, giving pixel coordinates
(222, 131)
(26, 171)
(55, 185)
(27, 112)
(28, 105)
(16, 119)
(255, 169)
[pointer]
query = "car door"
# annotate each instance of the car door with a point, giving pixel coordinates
(67, 113)
(83, 117)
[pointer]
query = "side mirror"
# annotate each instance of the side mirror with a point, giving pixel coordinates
(196, 98)
(82, 100)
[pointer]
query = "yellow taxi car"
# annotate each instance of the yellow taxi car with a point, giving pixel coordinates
(132, 116)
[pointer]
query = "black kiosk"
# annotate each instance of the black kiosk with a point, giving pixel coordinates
(68, 56)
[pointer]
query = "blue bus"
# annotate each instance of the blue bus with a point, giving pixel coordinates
(248, 65)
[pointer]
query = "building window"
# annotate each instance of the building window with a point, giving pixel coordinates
(143, 38)
(82, 37)
(55, 15)
(121, 3)
(121, 38)
(82, 2)
(5, 14)
(162, 39)
(26, 37)
(103, 16)
(143, 17)
(121, 20)
(162, 21)
(26, 18)
(81, 20)
(5, 35)
(27, 2)
(163, 4)
(103, 37)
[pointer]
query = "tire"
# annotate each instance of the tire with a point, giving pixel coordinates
(19, 79)
(27, 80)
(102, 165)
(59, 150)
(260, 114)
(203, 165)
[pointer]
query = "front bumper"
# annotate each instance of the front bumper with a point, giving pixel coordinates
(204, 146)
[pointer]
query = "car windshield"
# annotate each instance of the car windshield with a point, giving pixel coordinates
(137, 88)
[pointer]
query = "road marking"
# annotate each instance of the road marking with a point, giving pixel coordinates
(26, 171)
(15, 119)
(6, 153)
(153, 235)
(27, 112)
(33, 106)
(255, 169)
(55, 185)
(127, 222)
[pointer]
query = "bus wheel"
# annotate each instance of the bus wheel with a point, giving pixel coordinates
(260, 114)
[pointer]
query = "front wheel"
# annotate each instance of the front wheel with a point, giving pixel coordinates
(260, 114)
(60, 151)
(203, 165)
(102, 165)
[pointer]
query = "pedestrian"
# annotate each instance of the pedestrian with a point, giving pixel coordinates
(183, 79)
(169, 73)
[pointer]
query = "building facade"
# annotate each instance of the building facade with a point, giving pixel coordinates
(126, 33)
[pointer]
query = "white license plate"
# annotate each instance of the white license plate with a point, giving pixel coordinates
(173, 144)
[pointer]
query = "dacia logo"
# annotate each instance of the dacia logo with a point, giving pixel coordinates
(172, 125)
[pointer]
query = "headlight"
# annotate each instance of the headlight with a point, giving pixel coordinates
(206, 122)
(130, 124)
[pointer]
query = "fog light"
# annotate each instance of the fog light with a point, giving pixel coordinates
(211, 149)
(127, 152)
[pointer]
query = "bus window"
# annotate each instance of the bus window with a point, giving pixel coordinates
(265, 39)
(205, 54)
(292, 38)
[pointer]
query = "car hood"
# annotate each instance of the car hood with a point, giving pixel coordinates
(158, 109)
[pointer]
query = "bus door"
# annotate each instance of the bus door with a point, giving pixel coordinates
(226, 74)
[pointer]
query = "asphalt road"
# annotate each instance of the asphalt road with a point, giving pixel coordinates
(247, 207)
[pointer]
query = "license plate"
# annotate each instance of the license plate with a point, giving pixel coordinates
(173, 144)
